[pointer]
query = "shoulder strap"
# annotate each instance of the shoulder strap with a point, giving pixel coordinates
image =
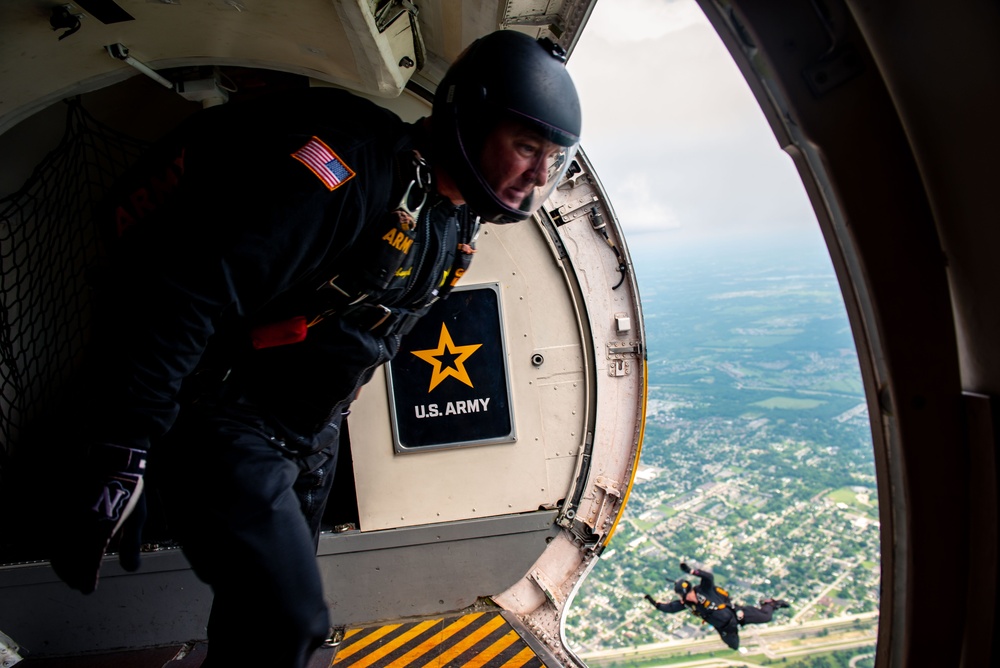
(384, 249)
(467, 234)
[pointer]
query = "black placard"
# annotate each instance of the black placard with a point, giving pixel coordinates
(448, 384)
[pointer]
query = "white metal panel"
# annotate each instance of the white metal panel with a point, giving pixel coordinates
(540, 597)
(550, 406)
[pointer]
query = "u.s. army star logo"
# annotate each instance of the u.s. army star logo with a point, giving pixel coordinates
(447, 359)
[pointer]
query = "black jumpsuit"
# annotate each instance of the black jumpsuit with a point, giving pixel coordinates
(229, 229)
(717, 610)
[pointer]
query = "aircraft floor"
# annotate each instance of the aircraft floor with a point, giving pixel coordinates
(473, 640)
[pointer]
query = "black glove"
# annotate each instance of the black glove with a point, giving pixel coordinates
(98, 499)
(650, 599)
(685, 567)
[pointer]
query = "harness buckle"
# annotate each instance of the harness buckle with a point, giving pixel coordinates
(404, 203)
(332, 285)
(422, 180)
(386, 312)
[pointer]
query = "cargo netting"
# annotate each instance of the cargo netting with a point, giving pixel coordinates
(48, 241)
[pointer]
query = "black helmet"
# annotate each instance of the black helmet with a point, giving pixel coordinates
(682, 587)
(505, 75)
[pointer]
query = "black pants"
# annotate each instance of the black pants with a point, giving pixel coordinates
(740, 615)
(247, 513)
(752, 615)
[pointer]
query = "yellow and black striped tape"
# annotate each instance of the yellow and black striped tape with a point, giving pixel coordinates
(476, 640)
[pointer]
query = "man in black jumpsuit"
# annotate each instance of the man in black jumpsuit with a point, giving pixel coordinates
(712, 605)
(271, 255)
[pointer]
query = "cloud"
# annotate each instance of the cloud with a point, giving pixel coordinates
(656, 19)
(685, 82)
(639, 204)
(674, 132)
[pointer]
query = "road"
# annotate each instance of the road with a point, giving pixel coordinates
(766, 637)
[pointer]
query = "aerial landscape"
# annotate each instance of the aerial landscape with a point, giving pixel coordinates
(757, 465)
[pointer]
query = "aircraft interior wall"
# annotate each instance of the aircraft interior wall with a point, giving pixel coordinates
(414, 547)
(874, 120)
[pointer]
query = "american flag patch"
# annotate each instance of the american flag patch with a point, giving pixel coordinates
(324, 163)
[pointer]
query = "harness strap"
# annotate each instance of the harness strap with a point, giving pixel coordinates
(381, 320)
(350, 296)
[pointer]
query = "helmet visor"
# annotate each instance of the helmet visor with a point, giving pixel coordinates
(550, 170)
(521, 167)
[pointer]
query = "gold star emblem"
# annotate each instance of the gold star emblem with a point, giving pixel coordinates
(447, 359)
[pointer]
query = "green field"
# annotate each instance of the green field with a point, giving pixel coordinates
(849, 497)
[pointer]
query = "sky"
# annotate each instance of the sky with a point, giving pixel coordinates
(676, 136)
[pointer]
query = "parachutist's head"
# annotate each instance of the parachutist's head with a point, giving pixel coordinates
(682, 587)
(506, 124)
